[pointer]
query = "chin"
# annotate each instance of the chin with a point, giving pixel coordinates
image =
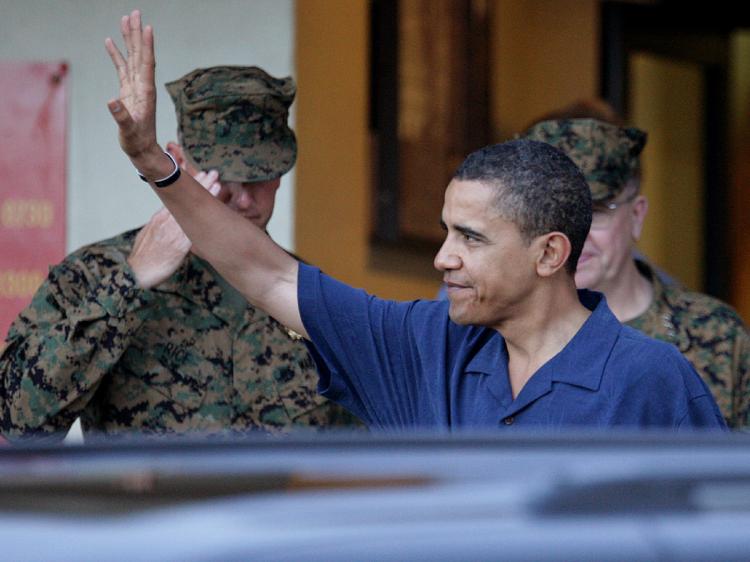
(586, 280)
(465, 318)
(457, 316)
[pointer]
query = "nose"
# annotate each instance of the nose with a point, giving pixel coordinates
(446, 259)
(240, 196)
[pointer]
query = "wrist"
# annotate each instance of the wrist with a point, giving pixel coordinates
(165, 181)
(153, 163)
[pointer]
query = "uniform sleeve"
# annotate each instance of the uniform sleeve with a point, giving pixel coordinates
(741, 372)
(366, 350)
(61, 346)
(329, 415)
(720, 351)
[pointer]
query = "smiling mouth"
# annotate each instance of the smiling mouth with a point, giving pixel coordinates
(454, 287)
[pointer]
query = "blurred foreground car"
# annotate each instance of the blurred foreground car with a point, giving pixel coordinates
(334, 497)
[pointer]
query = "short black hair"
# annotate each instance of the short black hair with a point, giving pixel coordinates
(538, 188)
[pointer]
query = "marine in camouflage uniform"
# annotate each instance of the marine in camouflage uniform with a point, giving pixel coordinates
(708, 332)
(189, 354)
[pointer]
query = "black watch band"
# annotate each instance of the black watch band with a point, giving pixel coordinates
(168, 180)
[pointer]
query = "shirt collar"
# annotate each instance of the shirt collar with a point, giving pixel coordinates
(581, 362)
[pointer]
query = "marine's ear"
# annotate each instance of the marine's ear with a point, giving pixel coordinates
(179, 155)
(637, 215)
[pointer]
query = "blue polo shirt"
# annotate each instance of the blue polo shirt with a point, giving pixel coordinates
(405, 365)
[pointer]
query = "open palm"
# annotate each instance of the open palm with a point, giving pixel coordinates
(135, 110)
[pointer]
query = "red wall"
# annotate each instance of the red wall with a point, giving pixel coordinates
(32, 179)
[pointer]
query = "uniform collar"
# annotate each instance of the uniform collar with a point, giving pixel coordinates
(659, 288)
(661, 310)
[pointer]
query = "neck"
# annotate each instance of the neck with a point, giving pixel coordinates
(630, 294)
(541, 331)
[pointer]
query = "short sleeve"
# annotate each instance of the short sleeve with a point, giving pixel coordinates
(367, 349)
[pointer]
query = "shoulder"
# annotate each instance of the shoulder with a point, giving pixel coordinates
(90, 263)
(699, 314)
(631, 340)
(639, 349)
(654, 364)
(654, 382)
(115, 248)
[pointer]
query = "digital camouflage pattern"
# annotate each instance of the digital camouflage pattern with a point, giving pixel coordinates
(607, 155)
(234, 119)
(188, 355)
(710, 335)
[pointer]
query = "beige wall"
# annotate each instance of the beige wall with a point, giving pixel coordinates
(333, 169)
(545, 56)
(104, 194)
(666, 101)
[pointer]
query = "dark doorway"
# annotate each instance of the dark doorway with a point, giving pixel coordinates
(697, 36)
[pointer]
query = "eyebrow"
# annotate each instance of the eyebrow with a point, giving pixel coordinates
(466, 231)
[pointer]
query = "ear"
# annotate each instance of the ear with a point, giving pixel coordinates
(637, 215)
(176, 151)
(554, 251)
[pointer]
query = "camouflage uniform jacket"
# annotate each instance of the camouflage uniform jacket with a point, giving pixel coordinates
(188, 355)
(710, 334)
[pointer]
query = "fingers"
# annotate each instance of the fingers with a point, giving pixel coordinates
(124, 121)
(125, 32)
(148, 51)
(122, 64)
(161, 215)
(121, 115)
(139, 43)
(209, 180)
(117, 59)
(126, 36)
(223, 195)
(136, 37)
(139, 66)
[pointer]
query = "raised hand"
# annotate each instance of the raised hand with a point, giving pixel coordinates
(161, 244)
(135, 109)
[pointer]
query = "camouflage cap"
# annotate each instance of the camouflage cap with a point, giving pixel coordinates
(606, 154)
(234, 119)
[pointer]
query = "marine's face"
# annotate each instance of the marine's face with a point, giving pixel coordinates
(253, 200)
(488, 268)
(609, 244)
